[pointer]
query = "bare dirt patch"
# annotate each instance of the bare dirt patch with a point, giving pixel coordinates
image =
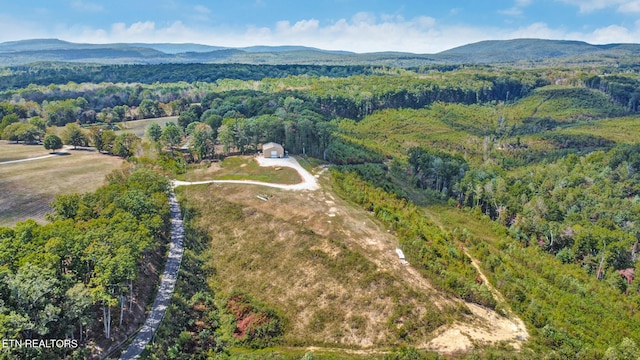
(488, 328)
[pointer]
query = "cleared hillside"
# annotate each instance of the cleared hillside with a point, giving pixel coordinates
(331, 271)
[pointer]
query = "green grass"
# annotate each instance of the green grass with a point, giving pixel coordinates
(242, 168)
(392, 132)
(563, 104)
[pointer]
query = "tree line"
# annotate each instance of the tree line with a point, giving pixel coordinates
(46, 74)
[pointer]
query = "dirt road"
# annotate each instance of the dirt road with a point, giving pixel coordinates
(309, 182)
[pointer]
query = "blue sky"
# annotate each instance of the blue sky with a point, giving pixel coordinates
(419, 26)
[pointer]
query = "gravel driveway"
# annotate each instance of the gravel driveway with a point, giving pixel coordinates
(309, 182)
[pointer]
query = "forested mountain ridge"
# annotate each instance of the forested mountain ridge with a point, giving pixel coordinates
(497, 51)
(522, 51)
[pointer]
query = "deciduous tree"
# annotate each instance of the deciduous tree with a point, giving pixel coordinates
(74, 135)
(52, 142)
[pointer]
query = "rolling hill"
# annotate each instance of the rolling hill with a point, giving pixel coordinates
(484, 52)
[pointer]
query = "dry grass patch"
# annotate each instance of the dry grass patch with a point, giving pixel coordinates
(11, 151)
(139, 127)
(29, 187)
(336, 280)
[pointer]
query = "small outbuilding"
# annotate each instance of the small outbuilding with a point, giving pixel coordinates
(272, 150)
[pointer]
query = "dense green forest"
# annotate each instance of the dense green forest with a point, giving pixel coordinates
(535, 156)
(76, 277)
(44, 74)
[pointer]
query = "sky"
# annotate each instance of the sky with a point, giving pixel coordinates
(417, 26)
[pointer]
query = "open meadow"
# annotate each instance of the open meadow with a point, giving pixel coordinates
(28, 187)
(331, 271)
(12, 152)
(138, 127)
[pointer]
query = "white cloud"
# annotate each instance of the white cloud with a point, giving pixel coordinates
(200, 13)
(364, 18)
(303, 26)
(202, 9)
(613, 34)
(630, 7)
(514, 11)
(622, 6)
(135, 30)
(85, 6)
(517, 9)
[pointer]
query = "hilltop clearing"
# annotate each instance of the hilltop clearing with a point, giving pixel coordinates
(331, 271)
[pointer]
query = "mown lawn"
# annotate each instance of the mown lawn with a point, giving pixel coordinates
(28, 187)
(10, 151)
(242, 168)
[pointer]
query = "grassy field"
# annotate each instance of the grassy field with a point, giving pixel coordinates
(330, 270)
(392, 132)
(333, 275)
(242, 168)
(28, 187)
(10, 151)
(563, 104)
(138, 127)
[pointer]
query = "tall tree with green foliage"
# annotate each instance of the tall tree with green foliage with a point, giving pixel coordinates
(171, 135)
(149, 109)
(125, 145)
(154, 132)
(203, 142)
(73, 134)
(52, 142)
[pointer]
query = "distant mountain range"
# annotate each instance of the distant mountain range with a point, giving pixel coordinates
(484, 52)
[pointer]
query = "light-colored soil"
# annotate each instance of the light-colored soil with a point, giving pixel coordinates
(489, 326)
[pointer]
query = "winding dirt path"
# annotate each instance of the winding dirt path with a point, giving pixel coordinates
(487, 328)
(309, 182)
